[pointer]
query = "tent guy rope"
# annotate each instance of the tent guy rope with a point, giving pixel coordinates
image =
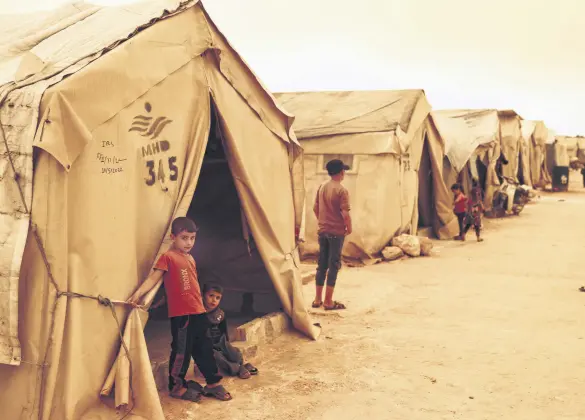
(58, 292)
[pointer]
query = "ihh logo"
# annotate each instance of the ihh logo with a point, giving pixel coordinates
(145, 125)
(163, 168)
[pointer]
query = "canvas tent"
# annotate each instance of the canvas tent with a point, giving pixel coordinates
(513, 146)
(105, 118)
(535, 135)
(471, 139)
(381, 136)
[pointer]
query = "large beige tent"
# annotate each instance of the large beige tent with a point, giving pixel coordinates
(535, 134)
(513, 146)
(381, 136)
(106, 115)
(471, 140)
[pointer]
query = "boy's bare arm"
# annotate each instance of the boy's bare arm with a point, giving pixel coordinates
(347, 221)
(145, 287)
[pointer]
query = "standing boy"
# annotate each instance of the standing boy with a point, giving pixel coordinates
(332, 211)
(189, 323)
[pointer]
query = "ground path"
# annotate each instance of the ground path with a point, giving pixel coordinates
(494, 330)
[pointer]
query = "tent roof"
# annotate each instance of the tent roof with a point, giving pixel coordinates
(508, 113)
(348, 112)
(40, 46)
(534, 129)
(47, 43)
(463, 131)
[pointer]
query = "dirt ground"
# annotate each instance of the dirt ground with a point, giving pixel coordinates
(493, 330)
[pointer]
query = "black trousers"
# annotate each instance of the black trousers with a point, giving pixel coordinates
(461, 219)
(190, 340)
(330, 247)
(228, 357)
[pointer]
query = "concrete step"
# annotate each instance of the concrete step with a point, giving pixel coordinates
(248, 337)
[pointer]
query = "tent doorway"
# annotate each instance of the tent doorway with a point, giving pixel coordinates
(224, 249)
(426, 206)
(521, 175)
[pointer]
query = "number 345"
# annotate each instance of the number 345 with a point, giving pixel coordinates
(161, 173)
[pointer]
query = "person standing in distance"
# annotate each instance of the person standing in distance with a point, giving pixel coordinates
(332, 211)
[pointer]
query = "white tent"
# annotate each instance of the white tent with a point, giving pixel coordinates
(106, 120)
(381, 135)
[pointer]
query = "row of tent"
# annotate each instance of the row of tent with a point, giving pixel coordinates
(404, 157)
(114, 120)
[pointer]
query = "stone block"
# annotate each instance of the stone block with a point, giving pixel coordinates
(392, 253)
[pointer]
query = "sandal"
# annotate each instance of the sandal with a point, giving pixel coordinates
(252, 369)
(189, 395)
(582, 289)
(244, 373)
(336, 306)
(317, 304)
(218, 392)
(195, 386)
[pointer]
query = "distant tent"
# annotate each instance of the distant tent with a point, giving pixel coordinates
(471, 139)
(513, 146)
(112, 117)
(535, 135)
(381, 135)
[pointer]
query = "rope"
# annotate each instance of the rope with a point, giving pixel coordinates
(291, 255)
(104, 301)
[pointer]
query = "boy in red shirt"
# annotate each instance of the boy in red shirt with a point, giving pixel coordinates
(189, 323)
(460, 209)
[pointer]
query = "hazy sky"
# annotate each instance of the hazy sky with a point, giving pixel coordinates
(528, 55)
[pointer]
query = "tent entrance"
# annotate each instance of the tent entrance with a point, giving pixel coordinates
(224, 249)
(426, 202)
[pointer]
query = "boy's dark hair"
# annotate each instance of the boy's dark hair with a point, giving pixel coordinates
(212, 287)
(183, 224)
(456, 187)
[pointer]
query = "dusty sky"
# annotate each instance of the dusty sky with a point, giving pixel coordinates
(528, 55)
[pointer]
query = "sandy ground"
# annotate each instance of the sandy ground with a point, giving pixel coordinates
(493, 330)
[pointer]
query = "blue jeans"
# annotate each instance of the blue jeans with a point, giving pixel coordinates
(330, 247)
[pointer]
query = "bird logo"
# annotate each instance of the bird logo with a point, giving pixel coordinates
(146, 126)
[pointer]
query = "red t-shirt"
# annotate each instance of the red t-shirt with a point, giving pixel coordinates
(461, 204)
(181, 284)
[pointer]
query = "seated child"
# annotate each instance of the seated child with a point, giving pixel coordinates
(227, 356)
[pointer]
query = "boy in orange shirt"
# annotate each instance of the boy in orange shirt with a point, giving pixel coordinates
(189, 323)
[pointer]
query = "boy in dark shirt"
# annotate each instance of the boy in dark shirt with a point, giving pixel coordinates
(227, 356)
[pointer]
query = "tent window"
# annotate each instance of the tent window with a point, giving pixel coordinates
(347, 159)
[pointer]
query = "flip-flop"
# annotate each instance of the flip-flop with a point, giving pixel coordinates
(317, 305)
(244, 373)
(218, 392)
(582, 289)
(252, 369)
(189, 395)
(195, 386)
(336, 306)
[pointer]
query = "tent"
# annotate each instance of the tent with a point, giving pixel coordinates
(381, 136)
(471, 139)
(513, 146)
(105, 119)
(535, 135)
(558, 159)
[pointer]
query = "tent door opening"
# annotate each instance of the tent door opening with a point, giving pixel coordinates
(224, 251)
(426, 206)
(521, 174)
